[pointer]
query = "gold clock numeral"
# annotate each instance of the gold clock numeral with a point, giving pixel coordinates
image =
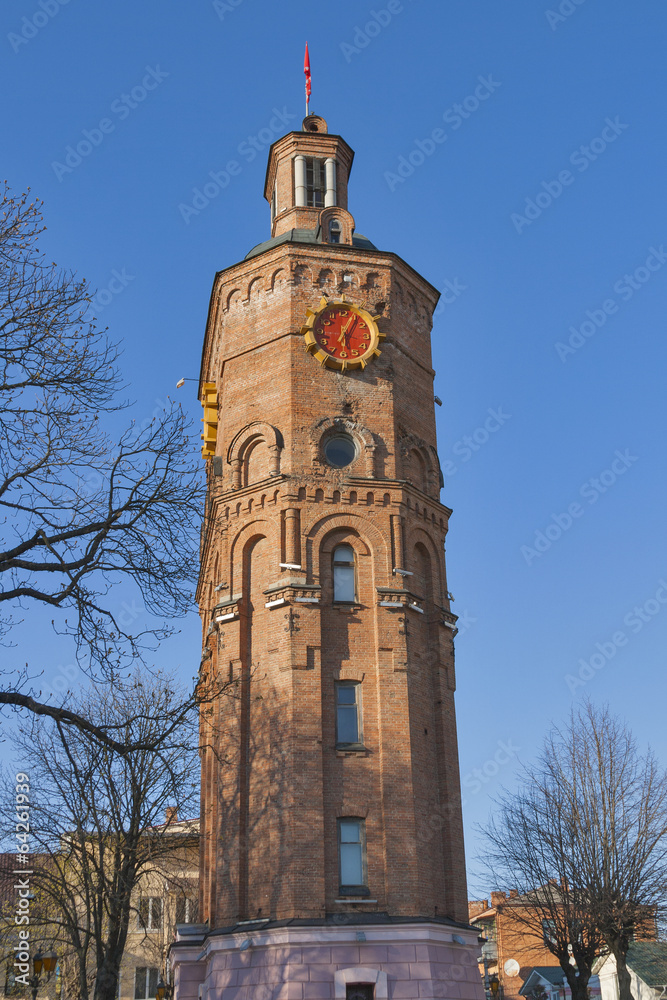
(327, 322)
(362, 325)
(355, 354)
(343, 312)
(343, 354)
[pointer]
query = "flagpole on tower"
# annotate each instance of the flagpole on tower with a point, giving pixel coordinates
(306, 69)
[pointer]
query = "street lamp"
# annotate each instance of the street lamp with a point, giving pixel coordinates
(42, 963)
(162, 991)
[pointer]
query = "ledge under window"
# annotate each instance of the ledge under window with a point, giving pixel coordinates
(351, 747)
(354, 890)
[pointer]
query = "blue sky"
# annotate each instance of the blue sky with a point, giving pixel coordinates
(541, 204)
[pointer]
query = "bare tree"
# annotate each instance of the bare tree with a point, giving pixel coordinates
(81, 510)
(528, 855)
(98, 821)
(585, 838)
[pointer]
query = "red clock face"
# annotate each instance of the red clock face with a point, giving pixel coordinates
(342, 333)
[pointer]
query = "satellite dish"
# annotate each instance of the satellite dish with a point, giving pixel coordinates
(511, 967)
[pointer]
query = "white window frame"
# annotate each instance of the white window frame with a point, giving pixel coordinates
(146, 969)
(190, 905)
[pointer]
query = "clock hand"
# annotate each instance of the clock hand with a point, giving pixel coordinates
(344, 332)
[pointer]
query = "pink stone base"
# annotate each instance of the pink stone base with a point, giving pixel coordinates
(404, 962)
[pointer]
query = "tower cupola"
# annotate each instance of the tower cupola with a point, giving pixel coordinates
(307, 174)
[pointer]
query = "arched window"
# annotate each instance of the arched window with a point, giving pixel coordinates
(343, 574)
(334, 231)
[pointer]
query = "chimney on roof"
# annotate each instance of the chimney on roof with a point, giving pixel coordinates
(513, 893)
(477, 906)
(497, 898)
(172, 815)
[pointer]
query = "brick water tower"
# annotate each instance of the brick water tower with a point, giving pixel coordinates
(332, 860)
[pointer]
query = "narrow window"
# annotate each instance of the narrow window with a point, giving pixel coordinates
(334, 231)
(315, 182)
(549, 932)
(145, 982)
(348, 712)
(352, 857)
(343, 574)
(186, 910)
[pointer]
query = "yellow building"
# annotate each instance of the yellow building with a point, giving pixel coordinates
(167, 895)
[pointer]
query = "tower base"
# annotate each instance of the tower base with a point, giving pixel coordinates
(400, 960)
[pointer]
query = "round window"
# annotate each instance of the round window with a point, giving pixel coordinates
(340, 450)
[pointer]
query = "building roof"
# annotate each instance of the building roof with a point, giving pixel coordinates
(304, 236)
(552, 974)
(551, 892)
(648, 959)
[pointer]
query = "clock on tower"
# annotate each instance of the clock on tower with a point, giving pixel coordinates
(332, 859)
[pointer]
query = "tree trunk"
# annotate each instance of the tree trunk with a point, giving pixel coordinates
(580, 990)
(106, 981)
(624, 978)
(79, 977)
(577, 983)
(108, 972)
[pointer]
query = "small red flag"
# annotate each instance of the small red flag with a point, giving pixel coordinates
(306, 69)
